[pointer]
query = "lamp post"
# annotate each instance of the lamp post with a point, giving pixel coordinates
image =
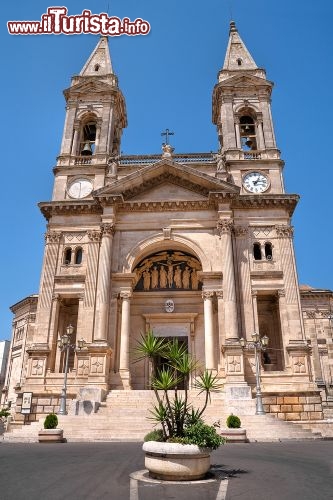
(258, 344)
(64, 344)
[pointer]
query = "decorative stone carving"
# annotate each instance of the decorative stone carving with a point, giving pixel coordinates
(234, 364)
(94, 235)
(299, 364)
(171, 270)
(284, 231)
(241, 230)
(108, 228)
(262, 231)
(127, 295)
(83, 367)
(97, 365)
(37, 367)
(281, 292)
(73, 237)
(167, 233)
(207, 294)
(53, 236)
(224, 226)
(310, 314)
(220, 162)
(219, 294)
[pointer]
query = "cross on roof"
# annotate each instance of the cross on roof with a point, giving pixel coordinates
(167, 133)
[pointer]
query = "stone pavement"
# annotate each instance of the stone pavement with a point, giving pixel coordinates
(96, 471)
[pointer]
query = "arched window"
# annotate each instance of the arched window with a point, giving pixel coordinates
(248, 133)
(257, 251)
(78, 256)
(96, 67)
(239, 61)
(67, 256)
(268, 251)
(88, 138)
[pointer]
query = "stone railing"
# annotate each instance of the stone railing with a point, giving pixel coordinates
(129, 160)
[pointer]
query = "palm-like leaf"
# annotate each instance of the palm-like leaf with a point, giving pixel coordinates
(149, 346)
(165, 380)
(207, 382)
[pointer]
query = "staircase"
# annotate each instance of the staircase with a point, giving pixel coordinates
(124, 416)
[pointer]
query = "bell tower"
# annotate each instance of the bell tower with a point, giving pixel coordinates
(242, 114)
(95, 118)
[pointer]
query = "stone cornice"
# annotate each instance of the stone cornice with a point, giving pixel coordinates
(69, 207)
(31, 299)
(285, 201)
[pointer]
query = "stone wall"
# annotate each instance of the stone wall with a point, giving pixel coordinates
(41, 406)
(301, 406)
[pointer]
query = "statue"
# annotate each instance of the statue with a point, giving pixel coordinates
(194, 280)
(178, 277)
(186, 277)
(163, 277)
(146, 280)
(154, 277)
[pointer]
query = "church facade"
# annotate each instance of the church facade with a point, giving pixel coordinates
(197, 247)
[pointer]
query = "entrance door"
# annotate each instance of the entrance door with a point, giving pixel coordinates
(162, 362)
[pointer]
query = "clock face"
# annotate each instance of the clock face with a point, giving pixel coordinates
(255, 182)
(80, 188)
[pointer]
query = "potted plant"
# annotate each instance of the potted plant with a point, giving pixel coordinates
(4, 414)
(180, 448)
(50, 434)
(234, 433)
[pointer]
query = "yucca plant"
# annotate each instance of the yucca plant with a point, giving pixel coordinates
(178, 418)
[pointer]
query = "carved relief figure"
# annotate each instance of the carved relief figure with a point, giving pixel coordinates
(163, 277)
(194, 280)
(154, 277)
(178, 277)
(186, 277)
(146, 280)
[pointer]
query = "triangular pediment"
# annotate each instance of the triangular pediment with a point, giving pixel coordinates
(245, 80)
(166, 180)
(89, 86)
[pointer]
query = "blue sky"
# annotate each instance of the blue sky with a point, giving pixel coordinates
(167, 78)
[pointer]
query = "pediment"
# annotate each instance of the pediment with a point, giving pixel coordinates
(88, 87)
(166, 180)
(244, 80)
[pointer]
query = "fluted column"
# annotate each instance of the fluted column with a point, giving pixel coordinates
(238, 137)
(209, 329)
(292, 298)
(225, 227)
(125, 296)
(103, 283)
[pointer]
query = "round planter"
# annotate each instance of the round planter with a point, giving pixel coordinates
(51, 436)
(176, 462)
(234, 435)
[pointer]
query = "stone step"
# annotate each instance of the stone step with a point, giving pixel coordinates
(124, 416)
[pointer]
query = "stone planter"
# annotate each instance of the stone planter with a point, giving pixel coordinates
(234, 435)
(176, 462)
(51, 436)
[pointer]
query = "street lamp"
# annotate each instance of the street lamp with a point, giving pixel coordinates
(64, 344)
(258, 344)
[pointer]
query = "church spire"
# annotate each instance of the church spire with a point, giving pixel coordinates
(237, 56)
(99, 63)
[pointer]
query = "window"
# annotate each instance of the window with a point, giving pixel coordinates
(256, 251)
(67, 256)
(78, 256)
(268, 251)
(239, 61)
(248, 133)
(96, 67)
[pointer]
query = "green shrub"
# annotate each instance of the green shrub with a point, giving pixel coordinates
(4, 413)
(233, 422)
(51, 421)
(203, 435)
(155, 435)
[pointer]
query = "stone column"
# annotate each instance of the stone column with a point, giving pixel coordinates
(267, 125)
(293, 305)
(255, 311)
(209, 329)
(260, 134)
(103, 283)
(125, 296)
(98, 134)
(244, 279)
(225, 227)
(237, 131)
(76, 139)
